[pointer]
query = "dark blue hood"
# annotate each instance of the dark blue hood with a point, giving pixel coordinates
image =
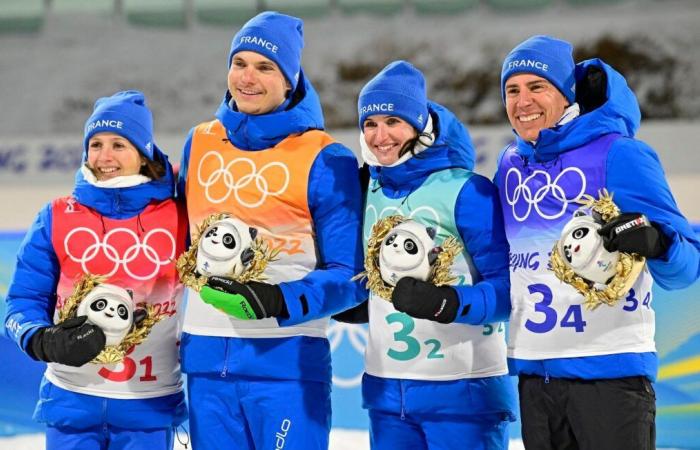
(452, 148)
(619, 114)
(120, 203)
(257, 132)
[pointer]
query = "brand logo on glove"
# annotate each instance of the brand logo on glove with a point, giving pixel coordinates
(442, 307)
(86, 334)
(638, 222)
(244, 307)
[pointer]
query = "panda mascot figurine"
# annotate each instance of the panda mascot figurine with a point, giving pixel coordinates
(408, 250)
(225, 248)
(112, 309)
(581, 248)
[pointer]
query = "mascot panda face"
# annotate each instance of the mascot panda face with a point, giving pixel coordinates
(225, 248)
(111, 308)
(408, 250)
(582, 249)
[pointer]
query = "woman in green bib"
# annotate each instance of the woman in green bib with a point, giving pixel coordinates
(436, 373)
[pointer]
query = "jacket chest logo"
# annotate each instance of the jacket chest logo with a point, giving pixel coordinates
(141, 259)
(241, 177)
(548, 198)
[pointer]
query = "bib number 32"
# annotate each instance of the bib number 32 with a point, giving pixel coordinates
(412, 347)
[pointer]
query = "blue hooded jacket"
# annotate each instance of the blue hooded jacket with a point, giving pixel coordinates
(480, 224)
(484, 237)
(336, 215)
(31, 301)
(31, 295)
(647, 192)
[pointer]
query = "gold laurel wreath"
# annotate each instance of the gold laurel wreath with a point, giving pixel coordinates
(627, 268)
(111, 354)
(439, 273)
(186, 263)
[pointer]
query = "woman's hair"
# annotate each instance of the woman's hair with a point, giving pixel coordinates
(410, 144)
(152, 169)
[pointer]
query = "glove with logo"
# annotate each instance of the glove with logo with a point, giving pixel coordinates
(250, 301)
(424, 300)
(633, 233)
(72, 342)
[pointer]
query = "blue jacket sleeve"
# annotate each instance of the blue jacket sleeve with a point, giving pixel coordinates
(480, 224)
(31, 296)
(335, 201)
(182, 170)
(637, 181)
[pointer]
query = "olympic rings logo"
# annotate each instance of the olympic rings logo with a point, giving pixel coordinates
(357, 335)
(233, 184)
(391, 210)
(130, 254)
(518, 189)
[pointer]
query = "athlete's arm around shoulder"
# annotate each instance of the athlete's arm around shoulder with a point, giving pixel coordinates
(638, 183)
(479, 220)
(31, 296)
(335, 201)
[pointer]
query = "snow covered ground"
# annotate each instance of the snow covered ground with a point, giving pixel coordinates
(340, 440)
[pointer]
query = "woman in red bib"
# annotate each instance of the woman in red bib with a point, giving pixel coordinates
(120, 222)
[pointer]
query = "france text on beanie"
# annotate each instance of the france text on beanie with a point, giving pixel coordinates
(546, 57)
(398, 90)
(126, 114)
(277, 37)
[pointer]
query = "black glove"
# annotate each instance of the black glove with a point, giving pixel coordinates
(72, 342)
(248, 301)
(423, 300)
(356, 314)
(633, 233)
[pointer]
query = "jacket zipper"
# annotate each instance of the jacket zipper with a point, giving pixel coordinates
(225, 368)
(403, 409)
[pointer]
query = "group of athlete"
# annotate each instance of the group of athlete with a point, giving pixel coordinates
(437, 363)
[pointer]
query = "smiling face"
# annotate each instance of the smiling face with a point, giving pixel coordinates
(256, 83)
(111, 155)
(582, 249)
(405, 253)
(221, 241)
(532, 104)
(385, 136)
(225, 248)
(110, 308)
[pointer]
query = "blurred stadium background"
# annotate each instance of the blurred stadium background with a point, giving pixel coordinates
(58, 56)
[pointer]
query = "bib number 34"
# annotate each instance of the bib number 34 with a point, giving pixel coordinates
(573, 317)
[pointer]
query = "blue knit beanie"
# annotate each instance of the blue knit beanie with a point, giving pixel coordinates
(278, 37)
(546, 57)
(398, 90)
(126, 114)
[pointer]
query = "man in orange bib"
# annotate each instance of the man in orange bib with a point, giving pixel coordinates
(256, 354)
